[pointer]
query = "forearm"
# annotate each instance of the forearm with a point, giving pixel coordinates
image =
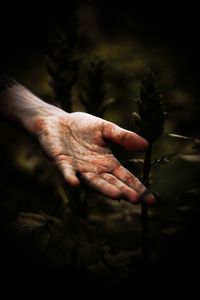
(20, 106)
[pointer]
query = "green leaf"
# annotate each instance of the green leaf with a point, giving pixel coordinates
(137, 160)
(178, 136)
(137, 119)
(164, 160)
(193, 158)
(107, 102)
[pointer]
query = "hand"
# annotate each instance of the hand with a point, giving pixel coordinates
(77, 143)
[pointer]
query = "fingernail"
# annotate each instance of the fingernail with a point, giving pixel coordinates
(148, 197)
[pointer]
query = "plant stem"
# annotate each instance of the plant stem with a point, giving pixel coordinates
(145, 235)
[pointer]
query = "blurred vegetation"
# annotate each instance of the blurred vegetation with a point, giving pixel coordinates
(78, 237)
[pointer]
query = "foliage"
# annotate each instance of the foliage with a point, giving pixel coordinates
(95, 88)
(63, 59)
(151, 111)
(53, 232)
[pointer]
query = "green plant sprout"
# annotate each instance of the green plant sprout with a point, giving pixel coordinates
(150, 120)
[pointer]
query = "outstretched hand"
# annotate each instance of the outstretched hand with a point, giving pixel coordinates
(77, 144)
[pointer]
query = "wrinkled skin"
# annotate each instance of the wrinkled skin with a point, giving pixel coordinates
(77, 144)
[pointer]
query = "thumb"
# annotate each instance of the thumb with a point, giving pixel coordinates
(128, 139)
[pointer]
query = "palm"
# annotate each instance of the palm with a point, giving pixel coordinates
(77, 144)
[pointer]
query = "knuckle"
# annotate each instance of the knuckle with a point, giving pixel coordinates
(130, 180)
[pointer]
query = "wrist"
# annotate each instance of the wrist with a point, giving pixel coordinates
(45, 115)
(26, 109)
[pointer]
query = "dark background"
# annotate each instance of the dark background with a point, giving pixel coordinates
(174, 28)
(23, 27)
(164, 36)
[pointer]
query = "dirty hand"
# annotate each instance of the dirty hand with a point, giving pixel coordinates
(77, 144)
